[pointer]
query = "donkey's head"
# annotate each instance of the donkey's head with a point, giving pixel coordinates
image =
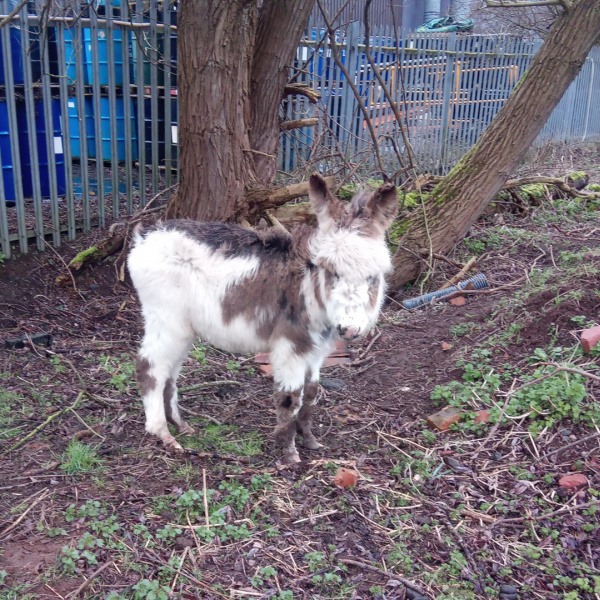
(351, 255)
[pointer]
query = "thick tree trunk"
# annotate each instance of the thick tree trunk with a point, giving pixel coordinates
(461, 197)
(216, 47)
(234, 60)
(279, 22)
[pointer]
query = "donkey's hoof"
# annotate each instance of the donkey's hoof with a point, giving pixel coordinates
(172, 445)
(185, 429)
(311, 443)
(291, 456)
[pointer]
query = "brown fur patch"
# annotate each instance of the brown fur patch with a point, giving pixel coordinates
(311, 389)
(167, 395)
(146, 382)
(275, 291)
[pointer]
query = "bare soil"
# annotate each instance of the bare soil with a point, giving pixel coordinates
(455, 515)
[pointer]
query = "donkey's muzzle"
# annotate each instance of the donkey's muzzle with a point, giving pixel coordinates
(348, 333)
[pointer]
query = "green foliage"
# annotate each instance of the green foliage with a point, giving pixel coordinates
(198, 353)
(545, 403)
(79, 458)
(121, 370)
(148, 589)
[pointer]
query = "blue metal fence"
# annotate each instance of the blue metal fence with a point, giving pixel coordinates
(89, 116)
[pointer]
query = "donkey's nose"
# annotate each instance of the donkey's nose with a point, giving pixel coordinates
(348, 333)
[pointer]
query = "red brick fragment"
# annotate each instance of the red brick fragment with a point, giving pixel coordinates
(266, 369)
(458, 301)
(333, 361)
(572, 482)
(345, 477)
(446, 346)
(590, 337)
(483, 416)
(444, 418)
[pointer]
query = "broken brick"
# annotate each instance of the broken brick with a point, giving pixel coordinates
(590, 337)
(345, 477)
(483, 416)
(444, 418)
(457, 301)
(446, 346)
(572, 482)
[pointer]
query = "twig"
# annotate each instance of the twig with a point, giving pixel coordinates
(361, 565)
(89, 580)
(572, 370)
(564, 509)
(205, 499)
(458, 277)
(44, 424)
(593, 436)
(24, 514)
(350, 82)
(12, 14)
(62, 260)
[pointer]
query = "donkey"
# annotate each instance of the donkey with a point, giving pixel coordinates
(244, 291)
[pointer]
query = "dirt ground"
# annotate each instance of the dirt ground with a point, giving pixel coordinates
(91, 507)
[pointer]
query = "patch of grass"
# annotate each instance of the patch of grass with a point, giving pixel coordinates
(79, 459)
(226, 439)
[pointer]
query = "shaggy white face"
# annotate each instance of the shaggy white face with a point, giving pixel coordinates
(352, 256)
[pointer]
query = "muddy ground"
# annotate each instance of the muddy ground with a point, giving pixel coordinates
(91, 507)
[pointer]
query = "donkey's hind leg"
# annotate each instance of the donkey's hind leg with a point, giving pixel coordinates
(172, 406)
(158, 360)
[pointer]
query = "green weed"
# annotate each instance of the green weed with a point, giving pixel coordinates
(79, 458)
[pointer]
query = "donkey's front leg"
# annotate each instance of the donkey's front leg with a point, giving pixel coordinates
(287, 407)
(289, 371)
(304, 422)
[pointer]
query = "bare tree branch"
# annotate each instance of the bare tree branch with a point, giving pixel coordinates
(502, 4)
(13, 13)
(361, 104)
(384, 87)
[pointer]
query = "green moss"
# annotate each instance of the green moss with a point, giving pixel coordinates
(90, 253)
(398, 229)
(413, 199)
(594, 187)
(535, 190)
(577, 175)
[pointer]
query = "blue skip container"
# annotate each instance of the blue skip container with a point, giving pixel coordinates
(86, 49)
(57, 146)
(8, 174)
(105, 128)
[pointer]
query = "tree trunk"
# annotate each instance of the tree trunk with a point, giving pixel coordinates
(461, 197)
(234, 63)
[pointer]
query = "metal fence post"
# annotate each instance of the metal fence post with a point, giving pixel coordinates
(348, 99)
(449, 75)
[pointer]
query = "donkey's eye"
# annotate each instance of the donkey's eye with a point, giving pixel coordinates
(372, 280)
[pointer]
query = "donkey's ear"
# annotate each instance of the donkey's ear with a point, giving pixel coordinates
(383, 206)
(327, 208)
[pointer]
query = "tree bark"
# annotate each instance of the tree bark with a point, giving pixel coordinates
(461, 197)
(280, 22)
(234, 64)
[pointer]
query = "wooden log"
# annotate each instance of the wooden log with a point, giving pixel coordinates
(298, 123)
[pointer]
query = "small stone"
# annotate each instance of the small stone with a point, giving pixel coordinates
(496, 456)
(423, 520)
(566, 432)
(508, 589)
(572, 482)
(181, 543)
(509, 596)
(446, 346)
(94, 286)
(444, 418)
(458, 301)
(332, 383)
(345, 477)
(483, 416)
(590, 337)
